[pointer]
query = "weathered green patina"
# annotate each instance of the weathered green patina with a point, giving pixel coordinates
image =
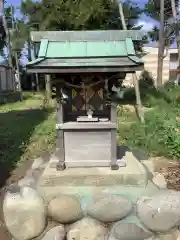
(84, 52)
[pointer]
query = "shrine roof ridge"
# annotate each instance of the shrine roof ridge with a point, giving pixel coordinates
(97, 35)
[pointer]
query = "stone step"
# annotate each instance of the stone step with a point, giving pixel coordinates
(85, 193)
(99, 178)
(134, 173)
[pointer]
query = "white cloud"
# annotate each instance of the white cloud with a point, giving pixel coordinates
(147, 25)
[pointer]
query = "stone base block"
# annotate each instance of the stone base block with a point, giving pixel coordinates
(93, 178)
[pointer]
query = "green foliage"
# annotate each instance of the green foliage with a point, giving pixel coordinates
(149, 94)
(78, 14)
(146, 80)
(71, 15)
(146, 85)
(172, 137)
(160, 134)
(146, 137)
(152, 9)
(26, 130)
(19, 36)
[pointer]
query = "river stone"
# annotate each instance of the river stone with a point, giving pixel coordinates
(27, 181)
(128, 231)
(24, 212)
(65, 209)
(87, 229)
(160, 181)
(56, 233)
(161, 212)
(169, 236)
(109, 208)
(38, 163)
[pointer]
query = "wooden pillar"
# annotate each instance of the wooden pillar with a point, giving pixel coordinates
(60, 135)
(114, 165)
(113, 112)
(48, 86)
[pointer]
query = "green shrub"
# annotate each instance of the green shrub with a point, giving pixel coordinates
(146, 81)
(148, 136)
(172, 137)
(129, 96)
(157, 136)
(160, 134)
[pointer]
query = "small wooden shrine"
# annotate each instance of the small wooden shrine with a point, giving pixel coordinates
(84, 67)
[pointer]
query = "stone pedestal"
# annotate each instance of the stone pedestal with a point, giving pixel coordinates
(88, 144)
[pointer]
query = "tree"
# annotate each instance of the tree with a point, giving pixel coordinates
(16, 37)
(152, 9)
(5, 40)
(78, 14)
(162, 11)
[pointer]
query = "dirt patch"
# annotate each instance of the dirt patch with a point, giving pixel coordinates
(170, 170)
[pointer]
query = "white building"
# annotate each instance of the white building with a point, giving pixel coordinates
(151, 61)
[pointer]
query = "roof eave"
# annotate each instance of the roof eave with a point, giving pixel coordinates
(127, 69)
(102, 35)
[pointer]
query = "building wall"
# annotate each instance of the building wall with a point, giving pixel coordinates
(151, 62)
(173, 65)
(6, 79)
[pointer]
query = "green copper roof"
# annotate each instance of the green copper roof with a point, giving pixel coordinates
(86, 54)
(85, 49)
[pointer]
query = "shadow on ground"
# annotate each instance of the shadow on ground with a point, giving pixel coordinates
(138, 154)
(16, 128)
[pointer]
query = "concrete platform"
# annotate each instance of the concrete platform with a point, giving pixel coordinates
(93, 180)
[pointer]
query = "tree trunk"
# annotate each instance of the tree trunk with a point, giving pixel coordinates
(161, 47)
(135, 80)
(18, 75)
(16, 57)
(8, 40)
(121, 13)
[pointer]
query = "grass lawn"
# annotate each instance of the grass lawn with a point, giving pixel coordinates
(26, 130)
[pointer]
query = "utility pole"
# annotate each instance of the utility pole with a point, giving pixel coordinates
(161, 46)
(174, 13)
(134, 77)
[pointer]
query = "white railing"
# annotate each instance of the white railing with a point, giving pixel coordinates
(173, 65)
